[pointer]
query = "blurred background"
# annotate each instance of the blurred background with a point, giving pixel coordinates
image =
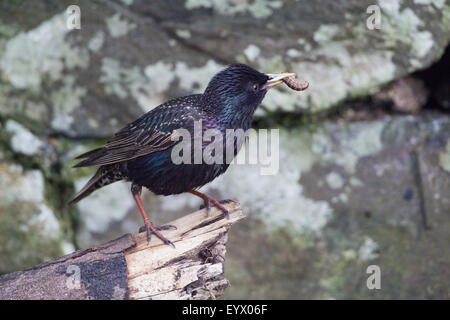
(364, 173)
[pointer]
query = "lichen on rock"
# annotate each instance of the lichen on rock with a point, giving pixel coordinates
(119, 26)
(65, 101)
(30, 231)
(42, 51)
(22, 140)
(257, 8)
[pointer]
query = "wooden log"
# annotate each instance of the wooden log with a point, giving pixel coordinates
(129, 268)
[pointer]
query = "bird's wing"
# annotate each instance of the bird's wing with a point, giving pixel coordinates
(128, 146)
(154, 131)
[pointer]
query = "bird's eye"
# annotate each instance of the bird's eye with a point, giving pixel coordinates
(255, 87)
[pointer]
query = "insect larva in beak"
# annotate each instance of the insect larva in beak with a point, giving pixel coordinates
(294, 84)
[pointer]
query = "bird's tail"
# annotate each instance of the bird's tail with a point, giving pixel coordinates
(104, 176)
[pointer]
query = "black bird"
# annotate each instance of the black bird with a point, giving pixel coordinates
(141, 152)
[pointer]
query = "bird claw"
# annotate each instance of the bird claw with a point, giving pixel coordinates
(225, 211)
(159, 228)
(151, 229)
(166, 227)
(208, 204)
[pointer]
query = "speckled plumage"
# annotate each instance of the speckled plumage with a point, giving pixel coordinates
(141, 151)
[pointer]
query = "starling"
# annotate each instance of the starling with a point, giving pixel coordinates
(141, 151)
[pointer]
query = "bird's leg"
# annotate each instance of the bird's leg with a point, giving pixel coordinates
(208, 200)
(136, 190)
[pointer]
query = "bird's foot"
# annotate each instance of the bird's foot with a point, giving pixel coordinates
(210, 202)
(152, 229)
(159, 228)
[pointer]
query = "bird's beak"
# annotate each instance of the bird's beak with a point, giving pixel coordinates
(276, 78)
